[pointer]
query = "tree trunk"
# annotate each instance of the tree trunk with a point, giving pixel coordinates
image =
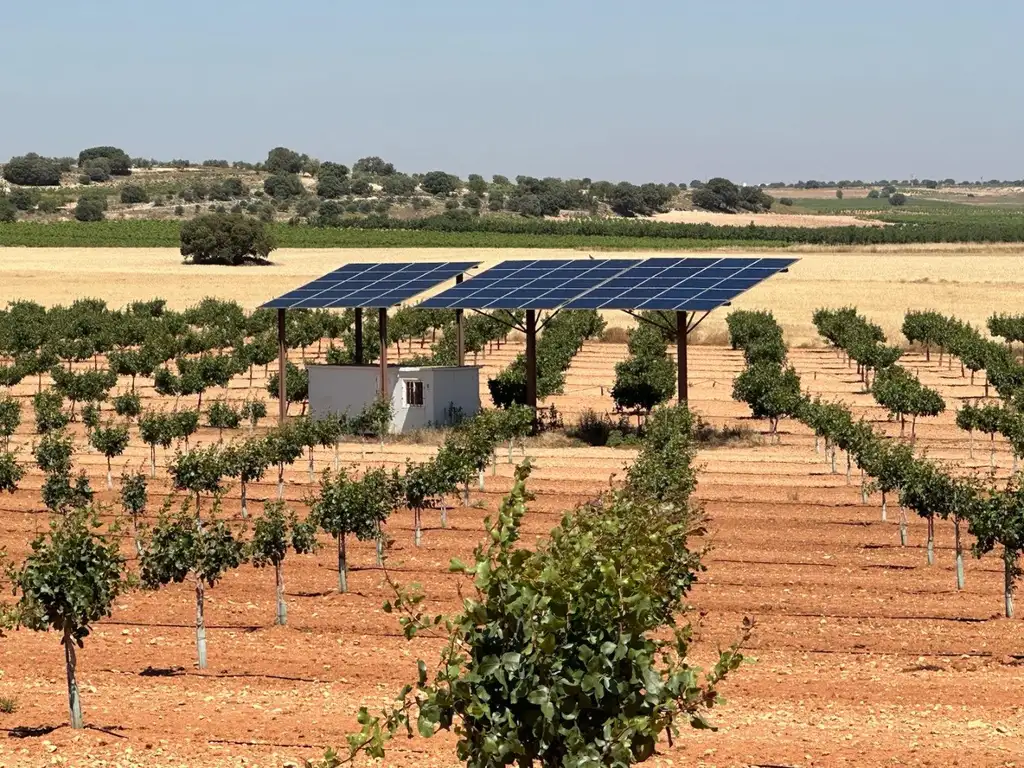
(903, 425)
(510, 442)
(311, 470)
(913, 428)
(465, 494)
(245, 500)
(927, 353)
(152, 459)
(418, 532)
(885, 511)
(992, 453)
(903, 526)
(282, 607)
(480, 479)
(931, 541)
(1009, 561)
(280, 481)
(444, 514)
(849, 467)
(971, 449)
(833, 460)
(342, 565)
(817, 444)
(200, 624)
(959, 554)
(110, 478)
(380, 547)
(71, 664)
(337, 457)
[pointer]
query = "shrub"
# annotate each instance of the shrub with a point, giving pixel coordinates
(648, 377)
(439, 183)
(787, 201)
(283, 186)
(839, 194)
(897, 199)
(874, 194)
(117, 161)
(373, 166)
(8, 210)
(31, 170)
(225, 239)
(98, 169)
(24, 199)
(89, 209)
(283, 160)
(134, 193)
(179, 210)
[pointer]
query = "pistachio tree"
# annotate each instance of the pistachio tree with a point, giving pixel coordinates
(248, 461)
(110, 440)
(178, 547)
(134, 497)
(11, 473)
(10, 418)
(770, 390)
(156, 428)
(68, 582)
(48, 409)
(199, 471)
(274, 533)
(128, 405)
(252, 411)
(283, 447)
(221, 415)
(999, 520)
(346, 507)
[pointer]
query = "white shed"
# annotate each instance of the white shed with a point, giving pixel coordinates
(420, 396)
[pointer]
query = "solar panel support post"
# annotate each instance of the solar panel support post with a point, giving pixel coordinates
(681, 319)
(531, 359)
(282, 368)
(358, 352)
(383, 323)
(460, 330)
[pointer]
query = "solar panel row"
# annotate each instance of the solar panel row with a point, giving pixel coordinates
(370, 285)
(691, 284)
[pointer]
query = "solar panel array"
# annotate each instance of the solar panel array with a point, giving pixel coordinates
(690, 284)
(370, 285)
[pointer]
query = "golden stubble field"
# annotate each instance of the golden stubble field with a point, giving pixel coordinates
(971, 282)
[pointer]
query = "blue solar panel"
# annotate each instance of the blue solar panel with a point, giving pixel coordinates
(691, 284)
(373, 285)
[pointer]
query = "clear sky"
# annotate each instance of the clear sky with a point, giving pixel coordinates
(664, 90)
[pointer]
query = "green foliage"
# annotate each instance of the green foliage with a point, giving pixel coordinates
(89, 209)
(11, 473)
(439, 183)
(284, 160)
(647, 377)
(134, 193)
(252, 411)
(31, 170)
(10, 418)
(177, 546)
(71, 578)
(134, 494)
(199, 470)
(225, 238)
(54, 451)
(117, 160)
(128, 405)
(283, 186)
(560, 658)
(220, 415)
(296, 384)
(770, 390)
(277, 530)
(110, 440)
(346, 506)
(902, 394)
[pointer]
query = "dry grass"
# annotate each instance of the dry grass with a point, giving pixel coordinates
(970, 281)
(764, 219)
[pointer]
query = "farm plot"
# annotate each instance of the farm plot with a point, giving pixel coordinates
(863, 654)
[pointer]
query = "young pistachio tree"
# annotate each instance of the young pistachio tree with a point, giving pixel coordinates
(957, 498)
(902, 394)
(423, 485)
(999, 519)
(920, 492)
(274, 533)
(889, 466)
(111, 441)
(986, 419)
(134, 497)
(128, 405)
(68, 582)
(346, 507)
(11, 473)
(53, 456)
(262, 351)
(156, 429)
(220, 415)
(48, 409)
(184, 424)
(296, 385)
(252, 411)
(283, 446)
(10, 418)
(199, 471)
(178, 547)
(248, 461)
(770, 390)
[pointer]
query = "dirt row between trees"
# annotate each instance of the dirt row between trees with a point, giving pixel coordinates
(862, 655)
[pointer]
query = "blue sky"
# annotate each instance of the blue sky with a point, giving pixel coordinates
(659, 90)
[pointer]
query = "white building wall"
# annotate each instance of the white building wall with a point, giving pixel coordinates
(348, 389)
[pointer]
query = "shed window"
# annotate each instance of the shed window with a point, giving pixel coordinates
(414, 394)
